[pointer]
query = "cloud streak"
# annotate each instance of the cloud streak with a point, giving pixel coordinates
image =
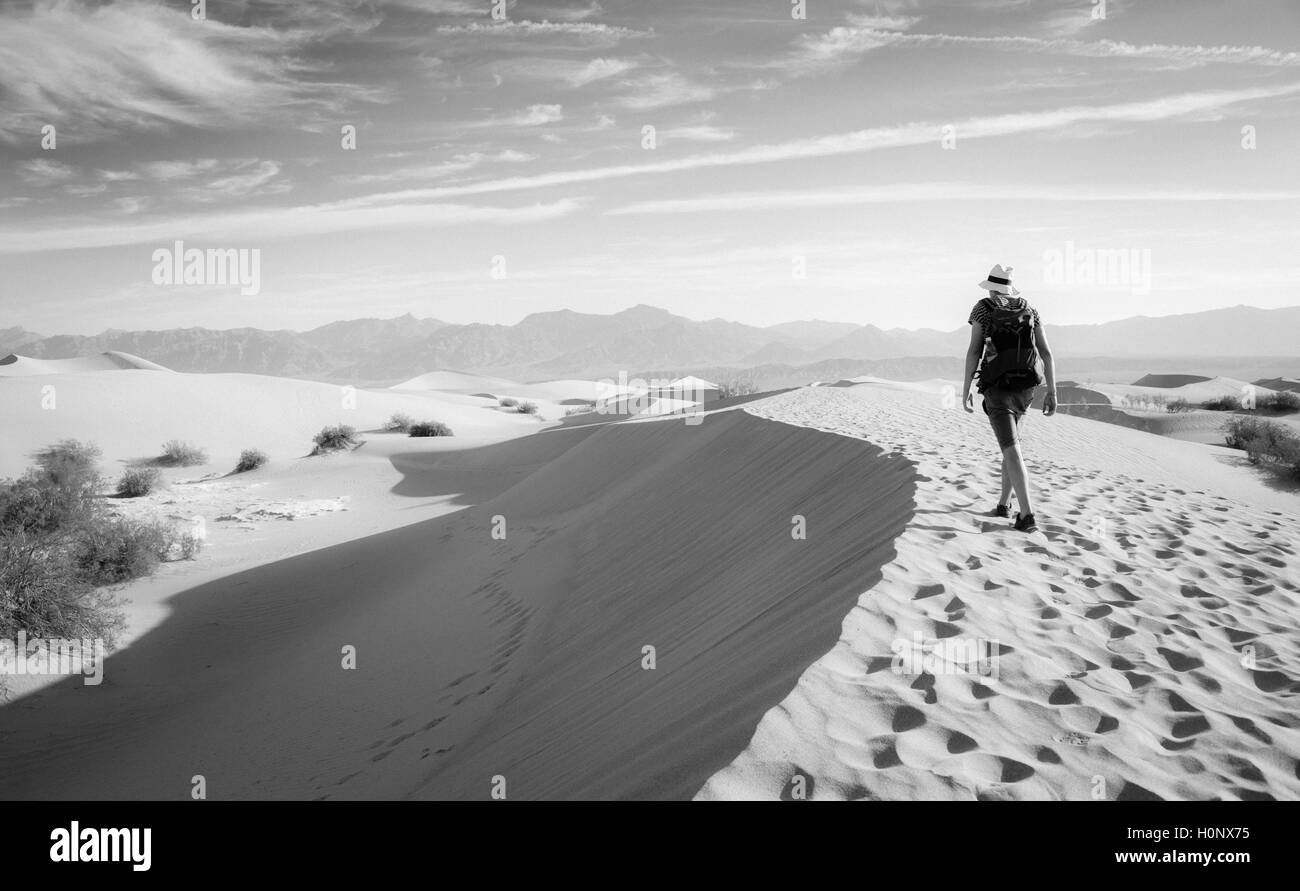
(102, 69)
(844, 45)
(1165, 108)
(254, 227)
(933, 191)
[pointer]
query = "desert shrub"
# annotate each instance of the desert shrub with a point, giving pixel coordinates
(138, 481)
(430, 428)
(190, 544)
(68, 462)
(119, 549)
(526, 408)
(1178, 406)
(59, 491)
(44, 592)
(1241, 429)
(400, 422)
(1268, 443)
(1222, 403)
(182, 454)
(728, 389)
(580, 409)
(508, 402)
(333, 439)
(1282, 400)
(59, 546)
(250, 459)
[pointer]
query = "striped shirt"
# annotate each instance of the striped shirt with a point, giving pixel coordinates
(980, 312)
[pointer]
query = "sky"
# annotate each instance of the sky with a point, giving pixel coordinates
(761, 161)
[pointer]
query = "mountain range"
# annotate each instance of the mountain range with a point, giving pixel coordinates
(564, 343)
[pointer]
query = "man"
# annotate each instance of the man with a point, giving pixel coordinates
(1007, 348)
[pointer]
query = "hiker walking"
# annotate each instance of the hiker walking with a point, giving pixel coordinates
(1009, 353)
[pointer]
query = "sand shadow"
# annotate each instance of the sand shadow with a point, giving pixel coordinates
(622, 536)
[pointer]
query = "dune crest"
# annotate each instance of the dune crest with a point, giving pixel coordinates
(1144, 643)
(14, 365)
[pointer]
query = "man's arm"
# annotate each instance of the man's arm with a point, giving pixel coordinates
(1049, 369)
(974, 352)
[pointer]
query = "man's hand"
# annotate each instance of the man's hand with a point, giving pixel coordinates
(967, 401)
(1049, 403)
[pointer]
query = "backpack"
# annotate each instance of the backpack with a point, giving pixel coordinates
(1011, 358)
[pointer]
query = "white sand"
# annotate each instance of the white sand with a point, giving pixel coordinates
(1121, 630)
(22, 366)
(130, 415)
(522, 657)
(1194, 393)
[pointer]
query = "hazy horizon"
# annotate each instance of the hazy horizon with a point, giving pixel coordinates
(53, 333)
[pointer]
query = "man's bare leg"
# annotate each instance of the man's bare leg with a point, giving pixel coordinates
(1013, 465)
(1006, 482)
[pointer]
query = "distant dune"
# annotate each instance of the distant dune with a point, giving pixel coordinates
(130, 415)
(1279, 383)
(1169, 380)
(23, 366)
(455, 382)
(1195, 392)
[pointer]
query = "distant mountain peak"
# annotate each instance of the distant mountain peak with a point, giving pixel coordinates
(645, 309)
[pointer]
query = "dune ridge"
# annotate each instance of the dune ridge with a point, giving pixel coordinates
(1122, 632)
(14, 365)
(479, 657)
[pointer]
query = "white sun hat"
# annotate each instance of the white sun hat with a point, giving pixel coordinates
(999, 280)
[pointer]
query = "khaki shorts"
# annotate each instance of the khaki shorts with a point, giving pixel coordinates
(1005, 408)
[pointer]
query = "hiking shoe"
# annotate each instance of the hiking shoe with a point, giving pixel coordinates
(1002, 510)
(1025, 523)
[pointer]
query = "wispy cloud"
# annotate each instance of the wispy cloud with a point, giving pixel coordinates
(588, 33)
(844, 45)
(936, 191)
(202, 180)
(698, 133)
(536, 115)
(455, 165)
(1163, 108)
(599, 69)
(101, 69)
(662, 89)
(45, 171)
(267, 224)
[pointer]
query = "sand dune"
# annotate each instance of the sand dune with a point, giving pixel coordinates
(455, 382)
(130, 415)
(1279, 383)
(480, 657)
(1121, 631)
(932, 386)
(1195, 392)
(555, 393)
(22, 366)
(1167, 381)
